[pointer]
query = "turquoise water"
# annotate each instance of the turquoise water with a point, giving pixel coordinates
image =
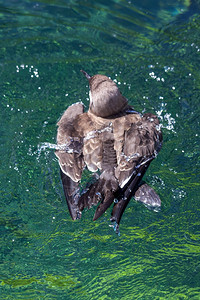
(152, 49)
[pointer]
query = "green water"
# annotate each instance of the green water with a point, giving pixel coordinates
(152, 49)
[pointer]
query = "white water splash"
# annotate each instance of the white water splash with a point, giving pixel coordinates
(166, 119)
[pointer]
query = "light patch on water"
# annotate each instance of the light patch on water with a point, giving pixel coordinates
(32, 70)
(156, 180)
(17, 109)
(166, 119)
(168, 69)
(172, 170)
(195, 47)
(178, 193)
(156, 77)
(115, 227)
(44, 146)
(68, 148)
(119, 82)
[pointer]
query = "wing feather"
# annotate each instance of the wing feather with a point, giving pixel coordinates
(113, 146)
(70, 157)
(142, 140)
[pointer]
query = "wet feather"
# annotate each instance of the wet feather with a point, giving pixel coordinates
(110, 138)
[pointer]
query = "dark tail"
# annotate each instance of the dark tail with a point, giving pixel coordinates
(128, 191)
(71, 191)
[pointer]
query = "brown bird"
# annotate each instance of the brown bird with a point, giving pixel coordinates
(112, 139)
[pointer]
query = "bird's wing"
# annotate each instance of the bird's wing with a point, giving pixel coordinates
(70, 143)
(122, 148)
(70, 156)
(141, 142)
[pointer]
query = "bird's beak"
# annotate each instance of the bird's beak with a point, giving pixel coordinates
(86, 74)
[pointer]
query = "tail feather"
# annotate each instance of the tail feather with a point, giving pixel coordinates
(90, 197)
(127, 192)
(105, 191)
(103, 206)
(148, 196)
(71, 191)
(101, 191)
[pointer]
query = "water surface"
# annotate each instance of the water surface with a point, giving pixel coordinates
(152, 50)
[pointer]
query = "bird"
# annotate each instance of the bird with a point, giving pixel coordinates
(115, 143)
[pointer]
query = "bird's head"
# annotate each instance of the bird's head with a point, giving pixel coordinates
(105, 97)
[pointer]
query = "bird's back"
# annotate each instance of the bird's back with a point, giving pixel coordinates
(131, 137)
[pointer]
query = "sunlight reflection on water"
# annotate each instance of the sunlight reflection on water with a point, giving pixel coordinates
(150, 50)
